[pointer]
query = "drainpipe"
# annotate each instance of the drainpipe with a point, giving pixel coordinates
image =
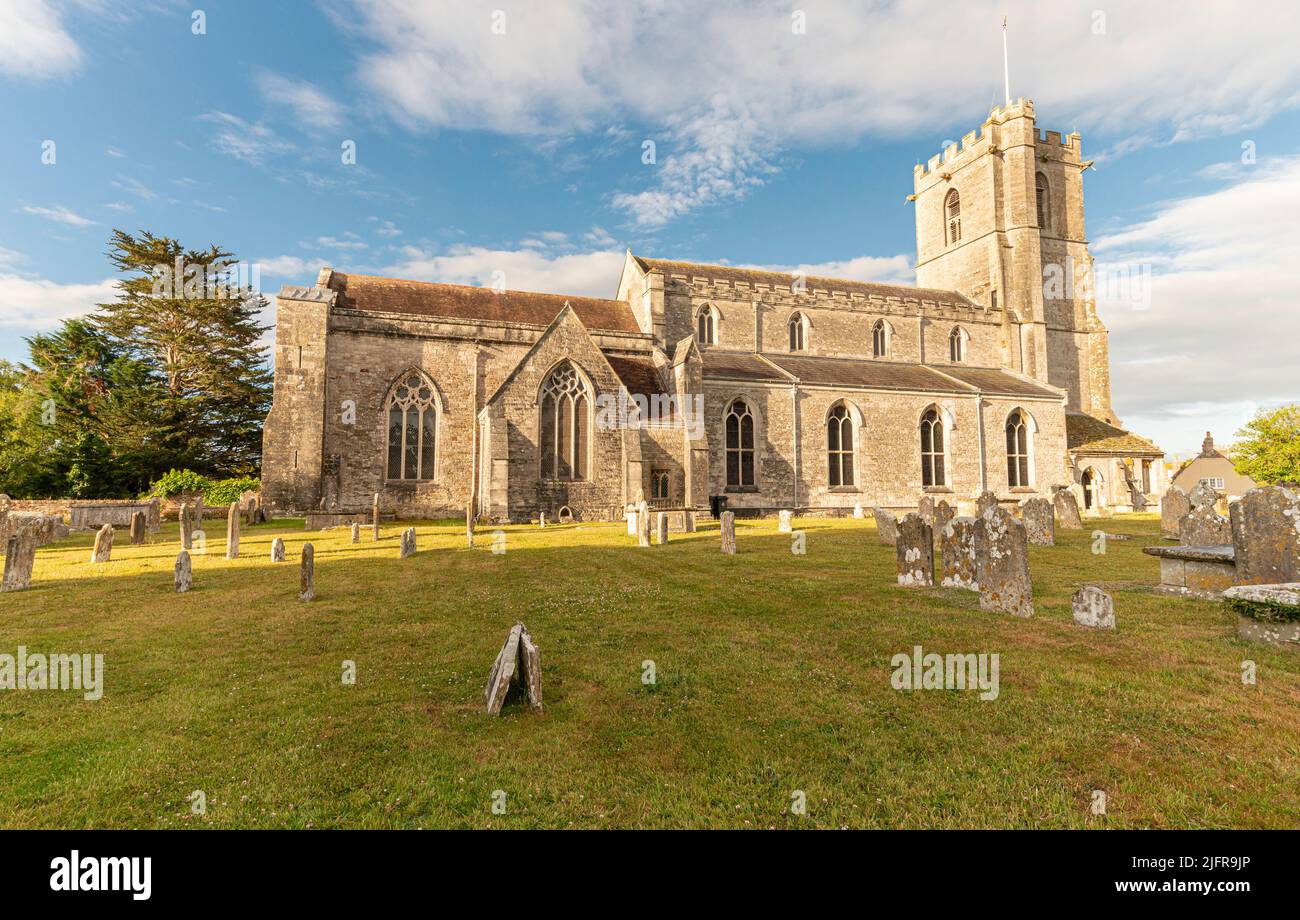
(798, 464)
(979, 423)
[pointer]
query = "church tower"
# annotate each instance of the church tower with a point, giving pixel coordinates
(999, 218)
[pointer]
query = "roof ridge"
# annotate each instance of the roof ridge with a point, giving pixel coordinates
(469, 287)
(650, 263)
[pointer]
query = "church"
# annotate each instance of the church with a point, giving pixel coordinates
(706, 386)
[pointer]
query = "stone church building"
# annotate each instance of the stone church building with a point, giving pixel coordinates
(698, 382)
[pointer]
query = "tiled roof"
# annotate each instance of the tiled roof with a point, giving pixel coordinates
(739, 365)
(874, 375)
(458, 301)
(639, 375)
(996, 382)
(1084, 432)
(732, 274)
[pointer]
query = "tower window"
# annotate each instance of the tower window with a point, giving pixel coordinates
(706, 326)
(952, 211)
(957, 345)
(798, 340)
(880, 339)
(1043, 201)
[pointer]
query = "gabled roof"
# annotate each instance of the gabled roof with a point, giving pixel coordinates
(994, 381)
(739, 365)
(459, 301)
(1092, 435)
(638, 375)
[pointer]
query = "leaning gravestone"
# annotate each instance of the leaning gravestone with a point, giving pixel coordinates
(1173, 508)
(518, 667)
(1204, 526)
(957, 554)
(914, 550)
(184, 572)
(886, 526)
(356, 532)
(138, 524)
(232, 531)
(277, 549)
(661, 528)
(785, 521)
(1066, 507)
(307, 579)
(374, 518)
(728, 531)
(407, 547)
(1093, 607)
(925, 508)
(985, 501)
(1266, 536)
(20, 556)
(103, 550)
(187, 535)
(1002, 564)
(1039, 520)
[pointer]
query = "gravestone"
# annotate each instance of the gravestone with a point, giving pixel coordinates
(1039, 520)
(277, 549)
(1066, 507)
(153, 517)
(785, 521)
(957, 554)
(356, 532)
(138, 524)
(857, 510)
(1203, 496)
(232, 531)
(985, 501)
(198, 511)
(943, 513)
(517, 669)
(728, 531)
(307, 579)
(633, 523)
(661, 528)
(103, 550)
(184, 579)
(914, 550)
(187, 533)
(20, 556)
(1204, 526)
(886, 526)
(374, 518)
(688, 521)
(407, 547)
(1173, 508)
(1002, 564)
(469, 524)
(925, 508)
(1266, 536)
(643, 524)
(1093, 607)
(541, 519)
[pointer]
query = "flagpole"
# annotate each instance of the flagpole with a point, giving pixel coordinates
(1006, 69)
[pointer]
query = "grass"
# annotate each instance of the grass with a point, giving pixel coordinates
(773, 675)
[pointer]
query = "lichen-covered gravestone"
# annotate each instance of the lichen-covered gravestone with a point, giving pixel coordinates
(985, 501)
(728, 531)
(1266, 536)
(957, 554)
(643, 524)
(1093, 607)
(187, 535)
(886, 526)
(925, 508)
(20, 556)
(356, 532)
(277, 549)
(184, 572)
(1203, 526)
(1173, 508)
(1039, 520)
(307, 578)
(1066, 507)
(943, 513)
(518, 667)
(232, 531)
(103, 550)
(1203, 496)
(661, 528)
(1002, 564)
(914, 550)
(154, 516)
(785, 521)
(138, 524)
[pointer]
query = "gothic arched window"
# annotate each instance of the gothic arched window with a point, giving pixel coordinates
(880, 339)
(740, 445)
(957, 345)
(798, 336)
(952, 212)
(412, 428)
(565, 424)
(839, 446)
(932, 455)
(1043, 201)
(1017, 450)
(706, 330)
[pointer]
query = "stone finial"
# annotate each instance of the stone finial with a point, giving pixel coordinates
(1002, 564)
(1093, 607)
(184, 578)
(517, 668)
(727, 529)
(307, 578)
(103, 550)
(914, 551)
(277, 549)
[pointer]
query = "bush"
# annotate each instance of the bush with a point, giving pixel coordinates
(227, 490)
(179, 482)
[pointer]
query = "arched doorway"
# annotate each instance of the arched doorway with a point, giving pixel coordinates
(1089, 482)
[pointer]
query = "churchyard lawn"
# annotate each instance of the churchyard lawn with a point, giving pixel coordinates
(772, 678)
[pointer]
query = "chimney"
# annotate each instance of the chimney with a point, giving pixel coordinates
(1207, 446)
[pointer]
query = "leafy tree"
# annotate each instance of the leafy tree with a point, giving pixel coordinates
(1268, 448)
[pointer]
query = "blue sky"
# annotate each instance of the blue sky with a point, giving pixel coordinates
(515, 144)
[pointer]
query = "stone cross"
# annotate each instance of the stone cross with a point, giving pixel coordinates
(187, 535)
(1093, 607)
(914, 552)
(277, 549)
(1266, 536)
(184, 572)
(307, 581)
(103, 544)
(886, 526)
(785, 521)
(232, 531)
(138, 525)
(925, 508)
(1039, 518)
(1173, 508)
(661, 528)
(728, 531)
(356, 532)
(407, 547)
(20, 555)
(517, 665)
(1002, 564)
(1066, 507)
(374, 518)
(957, 554)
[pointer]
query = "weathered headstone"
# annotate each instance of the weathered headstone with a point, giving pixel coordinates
(103, 550)
(184, 572)
(728, 531)
(517, 666)
(1173, 508)
(1266, 536)
(661, 528)
(633, 523)
(1093, 607)
(925, 508)
(886, 526)
(943, 513)
(785, 521)
(307, 579)
(232, 531)
(469, 524)
(957, 554)
(1066, 507)
(688, 521)
(407, 547)
(1002, 564)
(1039, 520)
(154, 516)
(374, 518)
(541, 519)
(356, 532)
(20, 556)
(985, 501)
(138, 524)
(1203, 526)
(277, 549)
(198, 511)
(643, 524)
(914, 550)
(187, 528)
(1203, 496)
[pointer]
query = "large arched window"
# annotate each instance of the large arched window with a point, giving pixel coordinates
(412, 428)
(957, 345)
(952, 213)
(798, 327)
(740, 445)
(565, 426)
(839, 446)
(1017, 450)
(880, 339)
(1043, 200)
(706, 326)
(932, 465)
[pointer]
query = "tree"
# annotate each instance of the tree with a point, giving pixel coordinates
(1268, 448)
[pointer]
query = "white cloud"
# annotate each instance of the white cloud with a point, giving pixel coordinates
(292, 267)
(884, 269)
(33, 42)
(589, 274)
(36, 303)
(309, 104)
(60, 214)
(253, 143)
(1218, 338)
